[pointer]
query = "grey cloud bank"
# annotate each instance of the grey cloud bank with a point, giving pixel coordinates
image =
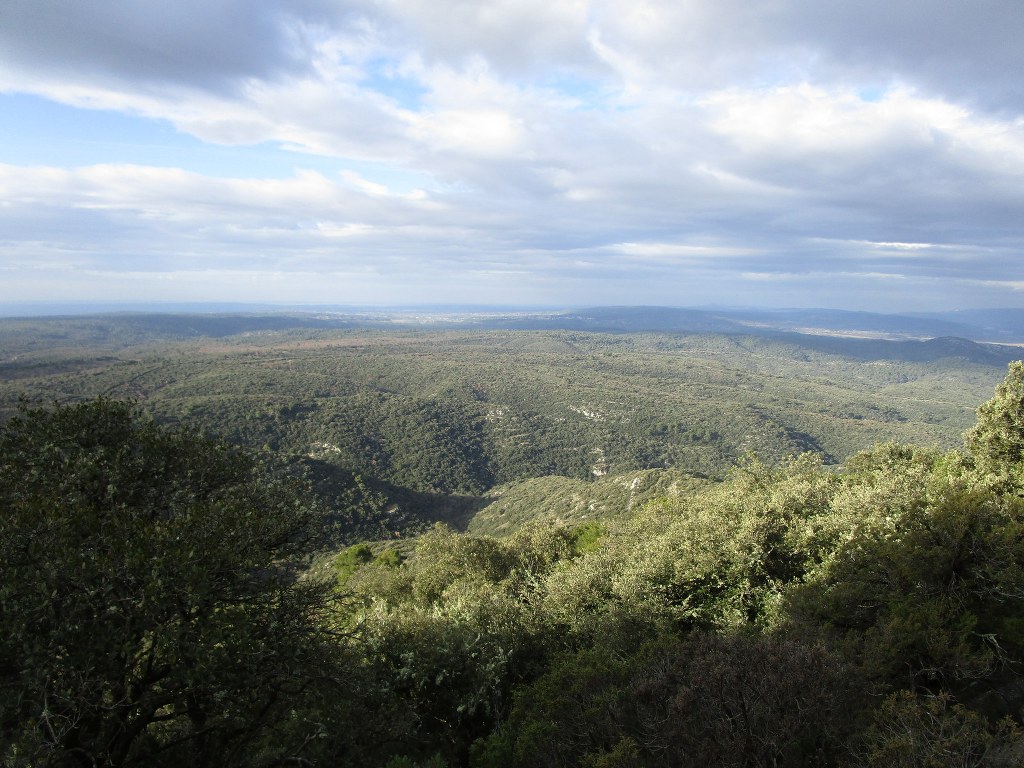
(858, 155)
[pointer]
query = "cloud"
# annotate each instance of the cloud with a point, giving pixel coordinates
(963, 51)
(209, 45)
(571, 147)
(516, 37)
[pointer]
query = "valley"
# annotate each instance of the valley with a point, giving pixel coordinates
(444, 415)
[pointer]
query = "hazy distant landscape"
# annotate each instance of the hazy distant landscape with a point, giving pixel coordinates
(166, 320)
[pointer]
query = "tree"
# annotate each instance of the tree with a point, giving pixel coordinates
(147, 612)
(998, 437)
(926, 585)
(740, 700)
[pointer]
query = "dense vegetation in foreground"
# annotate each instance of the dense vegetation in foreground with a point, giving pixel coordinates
(154, 613)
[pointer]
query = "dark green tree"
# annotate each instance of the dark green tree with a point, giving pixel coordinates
(912, 730)
(148, 615)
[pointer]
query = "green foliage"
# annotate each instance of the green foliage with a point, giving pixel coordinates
(706, 700)
(717, 558)
(931, 581)
(350, 560)
(148, 616)
(450, 676)
(445, 559)
(561, 718)
(998, 437)
(388, 558)
(587, 537)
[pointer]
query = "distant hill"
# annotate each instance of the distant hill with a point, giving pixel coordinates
(1005, 326)
(911, 351)
(626, 320)
(983, 325)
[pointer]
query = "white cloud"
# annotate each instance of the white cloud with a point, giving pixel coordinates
(838, 130)
(474, 132)
(678, 252)
(903, 246)
(1010, 285)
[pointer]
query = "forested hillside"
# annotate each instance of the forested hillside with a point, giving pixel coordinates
(438, 420)
(157, 610)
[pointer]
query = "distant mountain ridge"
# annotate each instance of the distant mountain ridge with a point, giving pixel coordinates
(982, 336)
(1004, 326)
(910, 350)
(862, 335)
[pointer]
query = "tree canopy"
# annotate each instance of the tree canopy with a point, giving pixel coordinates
(998, 436)
(148, 614)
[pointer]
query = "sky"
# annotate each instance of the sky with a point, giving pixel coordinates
(864, 155)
